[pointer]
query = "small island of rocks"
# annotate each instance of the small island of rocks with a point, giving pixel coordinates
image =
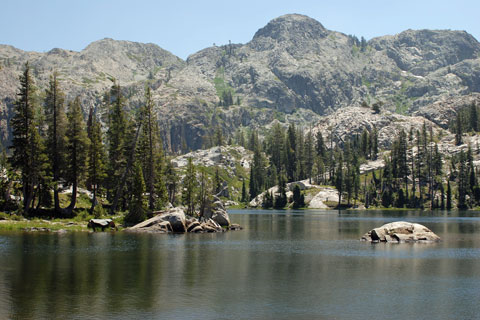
(174, 220)
(401, 231)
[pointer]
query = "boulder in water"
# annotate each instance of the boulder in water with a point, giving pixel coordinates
(401, 231)
(165, 221)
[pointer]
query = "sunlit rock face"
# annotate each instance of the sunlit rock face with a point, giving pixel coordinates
(401, 231)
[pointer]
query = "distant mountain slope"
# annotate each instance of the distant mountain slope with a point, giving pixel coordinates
(293, 69)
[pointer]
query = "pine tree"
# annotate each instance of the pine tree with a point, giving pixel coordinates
(276, 146)
(150, 151)
(320, 146)
(253, 140)
(244, 192)
(272, 176)
(374, 143)
(56, 122)
(171, 179)
(356, 176)
(218, 137)
(473, 118)
(190, 188)
(458, 131)
(339, 178)
(472, 178)
(349, 175)
(412, 166)
(320, 170)
(291, 158)
(462, 181)
(421, 165)
(365, 143)
(449, 196)
(136, 211)
(280, 200)
(27, 146)
(77, 150)
(257, 173)
(300, 155)
(442, 191)
(298, 197)
(309, 155)
(96, 158)
(401, 200)
(268, 200)
(400, 160)
(117, 144)
(204, 194)
(387, 183)
(218, 182)
(120, 191)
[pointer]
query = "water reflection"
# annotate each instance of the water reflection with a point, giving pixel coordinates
(283, 265)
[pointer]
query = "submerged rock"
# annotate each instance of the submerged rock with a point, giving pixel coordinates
(235, 226)
(401, 231)
(37, 229)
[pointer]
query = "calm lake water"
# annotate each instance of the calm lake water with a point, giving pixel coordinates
(283, 265)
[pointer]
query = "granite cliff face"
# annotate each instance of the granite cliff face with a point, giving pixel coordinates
(293, 68)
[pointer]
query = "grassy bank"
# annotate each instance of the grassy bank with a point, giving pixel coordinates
(12, 222)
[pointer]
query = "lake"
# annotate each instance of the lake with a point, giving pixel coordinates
(283, 265)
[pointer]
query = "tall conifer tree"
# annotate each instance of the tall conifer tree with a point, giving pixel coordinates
(27, 146)
(116, 134)
(56, 122)
(151, 154)
(96, 158)
(189, 192)
(76, 150)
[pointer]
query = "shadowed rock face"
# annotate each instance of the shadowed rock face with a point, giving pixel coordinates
(293, 64)
(401, 231)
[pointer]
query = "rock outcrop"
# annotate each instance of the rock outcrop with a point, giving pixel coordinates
(101, 224)
(350, 121)
(219, 213)
(174, 220)
(401, 231)
(325, 194)
(303, 185)
(227, 157)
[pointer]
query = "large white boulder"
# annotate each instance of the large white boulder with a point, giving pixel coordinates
(401, 231)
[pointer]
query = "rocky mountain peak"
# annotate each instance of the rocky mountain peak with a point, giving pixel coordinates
(292, 26)
(108, 47)
(423, 51)
(293, 68)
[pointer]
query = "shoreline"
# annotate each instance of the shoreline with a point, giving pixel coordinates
(20, 224)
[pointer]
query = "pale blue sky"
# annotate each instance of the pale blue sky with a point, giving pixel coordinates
(184, 27)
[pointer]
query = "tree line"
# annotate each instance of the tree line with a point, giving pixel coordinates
(415, 175)
(54, 148)
(119, 157)
(293, 154)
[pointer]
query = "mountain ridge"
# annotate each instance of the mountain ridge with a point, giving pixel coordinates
(291, 67)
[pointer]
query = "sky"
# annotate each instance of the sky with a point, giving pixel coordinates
(185, 27)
